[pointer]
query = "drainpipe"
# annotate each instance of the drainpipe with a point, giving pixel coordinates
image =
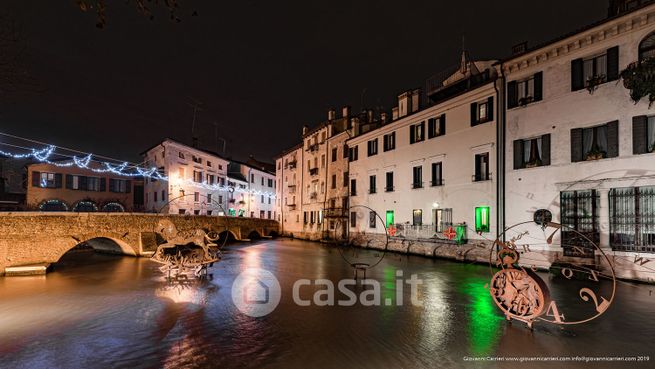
(500, 152)
(250, 199)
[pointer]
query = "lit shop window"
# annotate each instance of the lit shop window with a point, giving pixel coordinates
(482, 219)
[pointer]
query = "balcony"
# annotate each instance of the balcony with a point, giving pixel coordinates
(481, 177)
(313, 171)
(313, 147)
(291, 206)
(336, 213)
(291, 165)
(437, 183)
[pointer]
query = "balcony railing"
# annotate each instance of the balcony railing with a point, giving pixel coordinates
(415, 232)
(480, 177)
(313, 171)
(336, 213)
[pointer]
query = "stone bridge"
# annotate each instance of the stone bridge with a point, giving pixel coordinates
(31, 241)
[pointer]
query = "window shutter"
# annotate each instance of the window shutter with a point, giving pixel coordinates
(103, 184)
(111, 185)
(613, 63)
(545, 149)
(474, 114)
(422, 130)
(83, 183)
(576, 145)
(538, 86)
(442, 124)
(613, 139)
(577, 82)
(490, 108)
(412, 132)
(58, 180)
(432, 126)
(477, 167)
(69, 181)
(639, 134)
(512, 95)
(128, 186)
(518, 154)
(36, 178)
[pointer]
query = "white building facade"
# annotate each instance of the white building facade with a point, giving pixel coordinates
(260, 186)
(578, 146)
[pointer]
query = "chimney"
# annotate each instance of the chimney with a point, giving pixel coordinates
(394, 113)
(345, 111)
(355, 126)
(305, 128)
(332, 114)
(383, 117)
(403, 104)
(520, 48)
(369, 116)
(415, 100)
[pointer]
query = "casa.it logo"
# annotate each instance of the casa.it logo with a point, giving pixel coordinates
(256, 292)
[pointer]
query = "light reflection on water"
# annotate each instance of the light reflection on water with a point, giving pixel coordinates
(99, 311)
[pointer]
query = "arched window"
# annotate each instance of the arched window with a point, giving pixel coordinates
(113, 207)
(53, 205)
(647, 47)
(85, 206)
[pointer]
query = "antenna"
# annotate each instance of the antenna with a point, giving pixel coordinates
(195, 104)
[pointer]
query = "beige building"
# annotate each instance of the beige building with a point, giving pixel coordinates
(54, 188)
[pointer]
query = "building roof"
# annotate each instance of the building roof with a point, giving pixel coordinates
(183, 144)
(237, 175)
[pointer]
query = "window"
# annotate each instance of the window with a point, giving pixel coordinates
(353, 187)
(647, 47)
(595, 143)
(209, 198)
(371, 184)
(353, 219)
(262, 214)
(333, 183)
(594, 70)
(579, 211)
(197, 176)
(632, 219)
(643, 134)
(181, 211)
(389, 141)
(437, 179)
(270, 182)
(163, 195)
(311, 217)
(532, 152)
(482, 112)
(334, 154)
(482, 218)
(373, 147)
(181, 155)
(345, 151)
(196, 196)
(525, 91)
(417, 132)
(46, 180)
(417, 177)
(262, 199)
(93, 183)
(196, 212)
(84, 183)
(209, 163)
(345, 179)
(353, 153)
(220, 199)
(417, 217)
(263, 180)
(437, 126)
(210, 179)
(252, 178)
(372, 219)
(119, 185)
(481, 167)
(389, 185)
(389, 218)
(154, 196)
(304, 217)
(196, 159)
(443, 218)
(319, 216)
(209, 212)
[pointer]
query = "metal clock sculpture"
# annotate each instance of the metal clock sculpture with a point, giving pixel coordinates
(523, 295)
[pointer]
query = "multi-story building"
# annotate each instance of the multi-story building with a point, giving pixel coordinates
(289, 181)
(577, 144)
(56, 188)
(196, 180)
(434, 167)
(260, 185)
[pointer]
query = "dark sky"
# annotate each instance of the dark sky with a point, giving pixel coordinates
(263, 69)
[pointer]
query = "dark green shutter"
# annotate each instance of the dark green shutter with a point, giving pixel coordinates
(577, 77)
(545, 149)
(69, 181)
(518, 154)
(478, 174)
(83, 183)
(613, 63)
(490, 108)
(103, 184)
(36, 179)
(576, 145)
(474, 113)
(128, 186)
(412, 132)
(538, 86)
(613, 139)
(442, 124)
(639, 134)
(512, 95)
(432, 126)
(422, 130)
(58, 180)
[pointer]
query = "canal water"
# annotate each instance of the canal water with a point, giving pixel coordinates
(103, 311)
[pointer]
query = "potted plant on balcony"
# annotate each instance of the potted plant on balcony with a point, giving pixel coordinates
(639, 78)
(594, 81)
(595, 153)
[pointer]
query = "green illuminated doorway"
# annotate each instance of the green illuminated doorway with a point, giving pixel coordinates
(390, 220)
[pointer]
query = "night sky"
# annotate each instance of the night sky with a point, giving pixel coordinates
(262, 69)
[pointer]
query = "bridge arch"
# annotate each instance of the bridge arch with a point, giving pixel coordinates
(102, 242)
(231, 236)
(254, 235)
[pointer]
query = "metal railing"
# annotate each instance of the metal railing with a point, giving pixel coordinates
(423, 231)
